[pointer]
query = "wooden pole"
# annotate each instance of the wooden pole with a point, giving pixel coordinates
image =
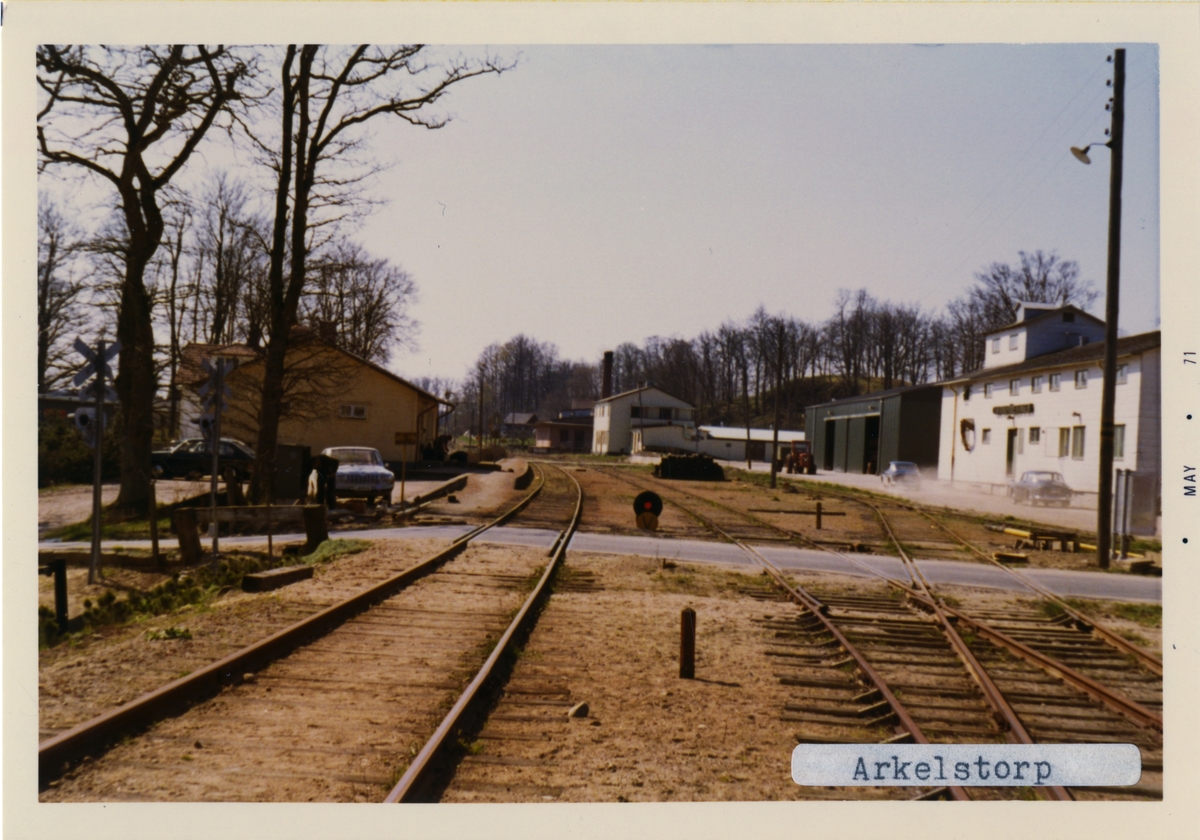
(818, 516)
(1112, 298)
(687, 644)
(154, 526)
(97, 464)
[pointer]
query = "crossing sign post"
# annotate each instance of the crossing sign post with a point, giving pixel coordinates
(91, 425)
(215, 394)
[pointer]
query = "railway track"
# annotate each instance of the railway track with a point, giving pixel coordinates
(898, 663)
(365, 696)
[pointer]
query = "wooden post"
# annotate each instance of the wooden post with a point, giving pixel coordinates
(315, 528)
(187, 529)
(687, 644)
(154, 527)
(60, 592)
(818, 516)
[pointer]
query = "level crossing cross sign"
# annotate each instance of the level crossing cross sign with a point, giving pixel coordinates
(94, 362)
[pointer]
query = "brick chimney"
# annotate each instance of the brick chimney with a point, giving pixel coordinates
(327, 331)
(606, 388)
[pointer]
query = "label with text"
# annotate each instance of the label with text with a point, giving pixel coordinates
(966, 765)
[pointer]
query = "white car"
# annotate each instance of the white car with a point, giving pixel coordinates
(360, 473)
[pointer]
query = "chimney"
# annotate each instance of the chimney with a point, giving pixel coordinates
(327, 331)
(606, 388)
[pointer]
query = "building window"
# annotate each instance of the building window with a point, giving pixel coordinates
(1014, 387)
(1055, 381)
(635, 411)
(1035, 384)
(1035, 435)
(1068, 317)
(353, 412)
(987, 390)
(1081, 379)
(995, 345)
(1122, 374)
(1064, 442)
(987, 436)
(1119, 440)
(1012, 342)
(564, 435)
(1077, 443)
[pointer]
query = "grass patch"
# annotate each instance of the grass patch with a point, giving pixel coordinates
(332, 549)
(1148, 615)
(169, 633)
(1136, 638)
(1051, 609)
(195, 588)
(133, 529)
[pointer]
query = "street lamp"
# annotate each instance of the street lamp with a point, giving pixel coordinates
(1111, 307)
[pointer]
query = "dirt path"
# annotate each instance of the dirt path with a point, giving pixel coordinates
(610, 638)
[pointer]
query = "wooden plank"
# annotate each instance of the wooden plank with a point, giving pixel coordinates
(275, 578)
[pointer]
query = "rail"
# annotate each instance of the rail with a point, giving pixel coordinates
(58, 754)
(410, 784)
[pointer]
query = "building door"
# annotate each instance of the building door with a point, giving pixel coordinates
(830, 437)
(871, 446)
(1010, 453)
(758, 451)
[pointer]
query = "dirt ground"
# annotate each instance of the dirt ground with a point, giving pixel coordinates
(96, 671)
(610, 638)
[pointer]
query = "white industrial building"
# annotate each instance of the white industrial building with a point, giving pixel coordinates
(643, 411)
(1035, 405)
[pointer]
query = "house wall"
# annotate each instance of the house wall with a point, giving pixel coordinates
(918, 429)
(1052, 411)
(1038, 338)
(870, 431)
(612, 429)
(391, 408)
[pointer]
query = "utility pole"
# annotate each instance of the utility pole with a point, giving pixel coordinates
(1111, 310)
(481, 412)
(778, 387)
(97, 465)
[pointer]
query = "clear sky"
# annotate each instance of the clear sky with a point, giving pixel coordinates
(596, 195)
(601, 194)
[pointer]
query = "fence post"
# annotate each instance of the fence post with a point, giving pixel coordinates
(818, 516)
(60, 592)
(187, 529)
(687, 644)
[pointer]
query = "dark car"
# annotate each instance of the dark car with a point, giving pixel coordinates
(1041, 487)
(192, 458)
(901, 472)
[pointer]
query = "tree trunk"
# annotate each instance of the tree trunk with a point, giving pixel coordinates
(136, 383)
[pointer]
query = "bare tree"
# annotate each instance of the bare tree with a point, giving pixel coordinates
(365, 299)
(133, 116)
(58, 295)
(1036, 278)
(328, 95)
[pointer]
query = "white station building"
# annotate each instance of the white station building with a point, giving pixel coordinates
(646, 413)
(1035, 405)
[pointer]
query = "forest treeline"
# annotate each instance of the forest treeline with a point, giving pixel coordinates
(734, 373)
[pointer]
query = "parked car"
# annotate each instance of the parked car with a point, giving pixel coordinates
(1041, 486)
(361, 473)
(192, 458)
(901, 472)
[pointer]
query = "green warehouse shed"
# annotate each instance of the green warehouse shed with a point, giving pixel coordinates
(863, 434)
